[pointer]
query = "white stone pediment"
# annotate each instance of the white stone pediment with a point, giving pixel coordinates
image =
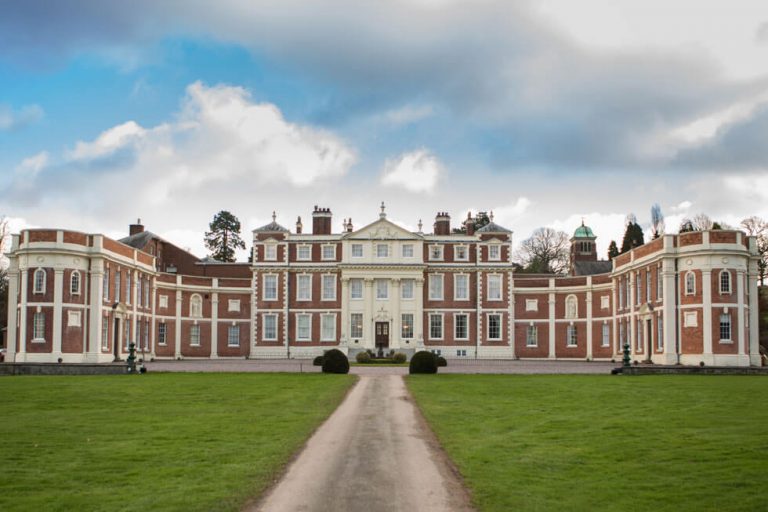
(382, 229)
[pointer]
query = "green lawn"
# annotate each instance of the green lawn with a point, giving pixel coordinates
(156, 441)
(604, 442)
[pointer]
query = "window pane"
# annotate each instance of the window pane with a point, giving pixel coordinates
(329, 287)
(406, 288)
(407, 327)
(356, 325)
(304, 291)
(436, 287)
(302, 327)
(357, 250)
(382, 291)
(233, 336)
(494, 327)
(328, 327)
(494, 287)
(407, 251)
(435, 327)
(461, 284)
(356, 288)
(460, 328)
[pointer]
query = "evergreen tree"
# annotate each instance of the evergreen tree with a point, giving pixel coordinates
(613, 250)
(633, 235)
(480, 220)
(224, 237)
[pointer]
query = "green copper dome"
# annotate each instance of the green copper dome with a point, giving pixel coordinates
(583, 232)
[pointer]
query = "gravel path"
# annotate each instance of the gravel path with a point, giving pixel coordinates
(454, 366)
(373, 454)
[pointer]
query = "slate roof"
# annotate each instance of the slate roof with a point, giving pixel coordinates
(583, 232)
(139, 240)
(272, 227)
(588, 268)
(492, 227)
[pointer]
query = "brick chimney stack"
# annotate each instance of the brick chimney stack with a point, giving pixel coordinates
(299, 226)
(321, 221)
(135, 229)
(442, 223)
(469, 224)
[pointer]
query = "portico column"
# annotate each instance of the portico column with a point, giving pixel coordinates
(740, 335)
(177, 334)
(368, 341)
(96, 298)
(589, 318)
(706, 307)
(669, 320)
(754, 335)
(58, 290)
(343, 339)
(23, 314)
(394, 333)
(551, 302)
(632, 326)
(418, 321)
(215, 321)
(13, 313)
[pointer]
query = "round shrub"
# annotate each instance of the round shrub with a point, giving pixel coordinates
(335, 361)
(363, 357)
(400, 358)
(441, 361)
(318, 361)
(423, 362)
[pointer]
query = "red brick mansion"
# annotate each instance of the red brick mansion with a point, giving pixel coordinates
(76, 297)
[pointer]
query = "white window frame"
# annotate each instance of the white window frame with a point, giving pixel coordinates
(411, 285)
(105, 333)
(308, 318)
(324, 252)
(264, 334)
(456, 326)
(571, 336)
(660, 333)
(353, 326)
(571, 299)
(659, 284)
(606, 335)
(648, 274)
(531, 304)
(146, 335)
(233, 305)
(621, 293)
(497, 249)
(270, 251)
(355, 284)
(75, 283)
(323, 319)
(39, 285)
(436, 252)
(501, 326)
(234, 328)
(403, 251)
(323, 287)
(494, 277)
(357, 246)
(605, 302)
(74, 319)
(690, 283)
(729, 327)
(638, 288)
(303, 257)
(442, 326)
(300, 289)
(403, 325)
(118, 282)
(532, 335)
(38, 327)
(690, 319)
(432, 291)
(456, 251)
(162, 333)
(456, 287)
(384, 253)
(147, 286)
(724, 273)
(196, 306)
(128, 291)
(194, 335)
(162, 301)
(139, 290)
(381, 284)
(105, 285)
(265, 288)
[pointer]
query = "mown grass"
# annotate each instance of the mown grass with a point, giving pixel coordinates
(661, 443)
(154, 442)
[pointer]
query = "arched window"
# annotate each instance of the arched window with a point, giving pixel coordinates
(74, 283)
(39, 283)
(725, 282)
(196, 306)
(571, 307)
(690, 283)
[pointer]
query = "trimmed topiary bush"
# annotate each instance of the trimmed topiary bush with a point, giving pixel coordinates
(335, 361)
(423, 362)
(318, 361)
(440, 360)
(400, 358)
(363, 357)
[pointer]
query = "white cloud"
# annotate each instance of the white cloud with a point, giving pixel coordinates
(604, 226)
(417, 171)
(108, 142)
(408, 114)
(30, 167)
(12, 120)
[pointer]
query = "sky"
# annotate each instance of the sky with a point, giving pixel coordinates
(545, 112)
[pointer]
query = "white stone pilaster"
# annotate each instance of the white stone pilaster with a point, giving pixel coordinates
(706, 303)
(394, 333)
(177, 330)
(590, 341)
(669, 321)
(368, 335)
(215, 320)
(58, 291)
(754, 319)
(418, 320)
(551, 302)
(95, 324)
(23, 312)
(344, 337)
(740, 312)
(13, 314)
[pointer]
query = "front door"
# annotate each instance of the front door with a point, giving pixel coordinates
(382, 335)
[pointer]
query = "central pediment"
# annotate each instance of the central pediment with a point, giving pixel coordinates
(382, 229)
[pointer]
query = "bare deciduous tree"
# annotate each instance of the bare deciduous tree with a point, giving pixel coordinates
(657, 221)
(701, 222)
(757, 227)
(546, 251)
